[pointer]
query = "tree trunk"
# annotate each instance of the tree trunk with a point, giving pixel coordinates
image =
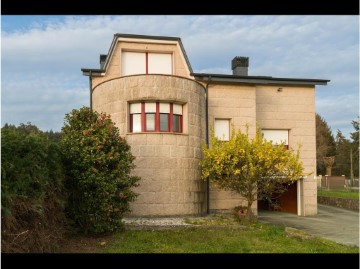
(249, 211)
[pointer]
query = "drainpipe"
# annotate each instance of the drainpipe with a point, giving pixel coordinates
(207, 138)
(90, 85)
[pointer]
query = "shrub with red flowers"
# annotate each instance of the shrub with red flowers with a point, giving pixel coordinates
(97, 163)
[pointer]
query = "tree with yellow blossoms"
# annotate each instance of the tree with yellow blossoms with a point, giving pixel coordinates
(252, 167)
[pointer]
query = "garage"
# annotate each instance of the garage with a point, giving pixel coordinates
(285, 202)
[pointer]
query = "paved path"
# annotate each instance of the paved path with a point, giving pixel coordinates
(332, 223)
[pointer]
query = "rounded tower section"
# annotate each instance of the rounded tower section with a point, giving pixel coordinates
(163, 119)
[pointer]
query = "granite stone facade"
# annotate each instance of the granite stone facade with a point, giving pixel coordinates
(168, 162)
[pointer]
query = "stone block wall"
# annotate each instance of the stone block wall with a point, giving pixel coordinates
(168, 163)
(239, 105)
(293, 108)
(350, 204)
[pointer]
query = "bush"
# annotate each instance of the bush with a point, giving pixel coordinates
(31, 190)
(98, 164)
(252, 167)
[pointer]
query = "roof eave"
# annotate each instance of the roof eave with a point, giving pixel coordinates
(258, 79)
(94, 72)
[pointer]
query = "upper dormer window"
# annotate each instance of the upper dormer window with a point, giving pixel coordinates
(134, 63)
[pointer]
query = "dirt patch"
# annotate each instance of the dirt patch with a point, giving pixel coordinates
(33, 228)
(84, 244)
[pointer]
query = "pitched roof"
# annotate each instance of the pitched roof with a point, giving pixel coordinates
(119, 35)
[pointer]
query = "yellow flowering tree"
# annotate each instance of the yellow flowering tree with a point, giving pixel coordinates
(252, 167)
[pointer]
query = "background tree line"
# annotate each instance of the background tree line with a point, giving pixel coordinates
(342, 148)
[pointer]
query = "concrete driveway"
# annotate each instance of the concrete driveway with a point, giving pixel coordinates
(332, 223)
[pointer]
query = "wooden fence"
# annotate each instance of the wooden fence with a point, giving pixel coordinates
(333, 182)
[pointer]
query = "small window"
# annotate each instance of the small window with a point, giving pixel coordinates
(164, 117)
(135, 118)
(164, 122)
(177, 118)
(150, 111)
(136, 123)
(277, 136)
(222, 129)
(177, 123)
(150, 122)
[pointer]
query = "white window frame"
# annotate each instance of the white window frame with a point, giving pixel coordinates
(140, 62)
(276, 136)
(222, 129)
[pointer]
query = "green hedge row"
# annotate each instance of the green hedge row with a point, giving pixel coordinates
(32, 194)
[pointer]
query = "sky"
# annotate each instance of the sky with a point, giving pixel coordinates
(41, 57)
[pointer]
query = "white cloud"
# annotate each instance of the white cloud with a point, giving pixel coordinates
(41, 77)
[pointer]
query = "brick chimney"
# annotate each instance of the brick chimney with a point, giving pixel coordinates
(240, 66)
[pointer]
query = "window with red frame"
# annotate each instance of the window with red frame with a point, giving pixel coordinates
(156, 117)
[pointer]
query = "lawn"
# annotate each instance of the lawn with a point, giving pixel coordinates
(254, 239)
(339, 194)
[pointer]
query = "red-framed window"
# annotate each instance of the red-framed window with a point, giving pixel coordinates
(156, 117)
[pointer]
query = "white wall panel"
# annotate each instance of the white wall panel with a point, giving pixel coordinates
(150, 107)
(159, 63)
(133, 63)
(135, 108)
(177, 109)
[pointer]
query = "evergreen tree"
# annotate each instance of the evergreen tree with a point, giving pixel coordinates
(346, 149)
(342, 161)
(325, 144)
(355, 147)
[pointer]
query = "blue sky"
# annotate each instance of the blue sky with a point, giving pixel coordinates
(41, 57)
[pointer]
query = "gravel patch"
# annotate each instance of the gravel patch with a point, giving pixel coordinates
(148, 223)
(155, 221)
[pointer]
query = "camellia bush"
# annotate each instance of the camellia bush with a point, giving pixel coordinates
(252, 167)
(98, 163)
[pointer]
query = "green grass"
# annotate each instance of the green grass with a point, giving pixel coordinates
(339, 194)
(258, 239)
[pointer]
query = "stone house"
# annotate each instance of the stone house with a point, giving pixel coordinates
(164, 110)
